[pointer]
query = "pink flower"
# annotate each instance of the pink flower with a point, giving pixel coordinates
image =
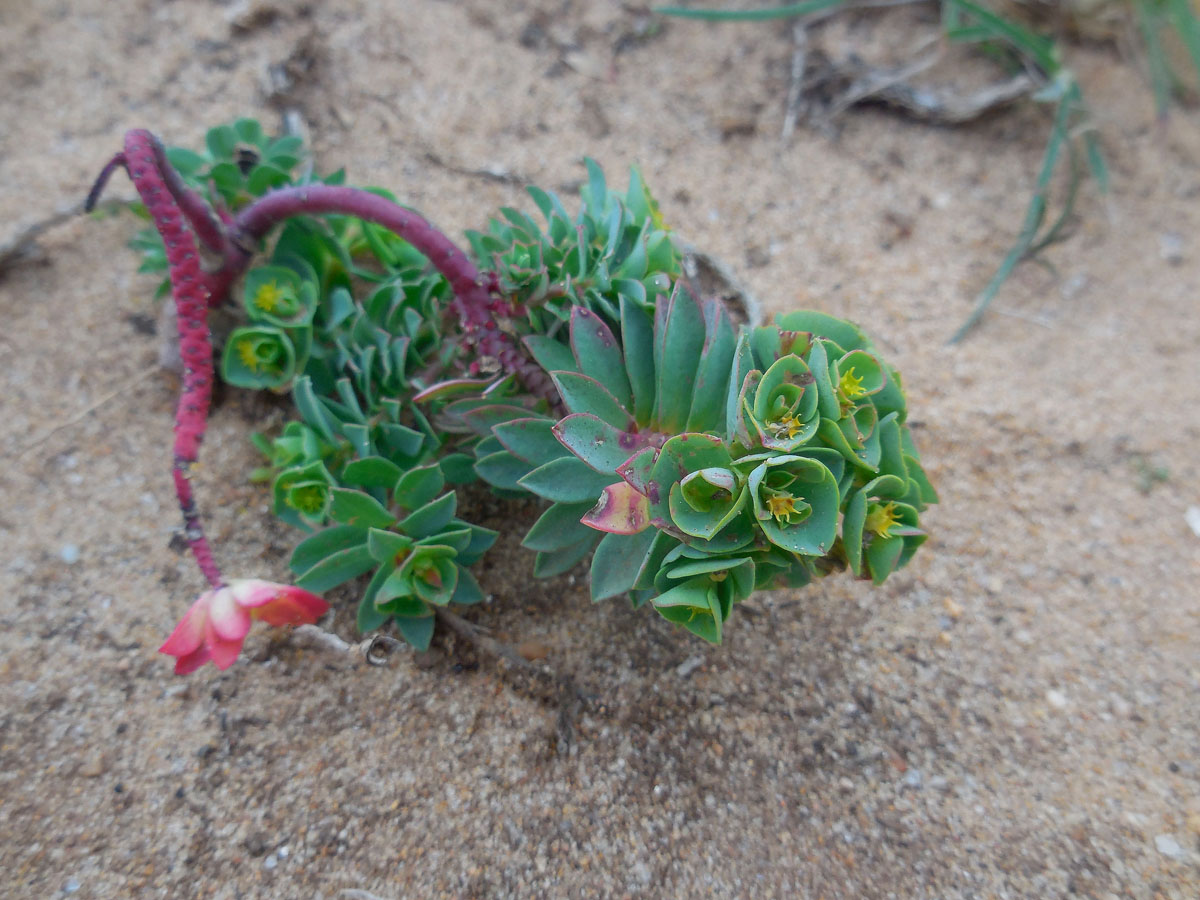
(216, 625)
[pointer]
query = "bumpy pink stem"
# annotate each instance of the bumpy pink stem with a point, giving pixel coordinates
(181, 215)
(473, 303)
(144, 162)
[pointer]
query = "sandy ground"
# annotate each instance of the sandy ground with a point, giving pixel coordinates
(1012, 716)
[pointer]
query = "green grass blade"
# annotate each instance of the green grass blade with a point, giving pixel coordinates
(1149, 20)
(1034, 216)
(749, 15)
(1038, 48)
(1183, 16)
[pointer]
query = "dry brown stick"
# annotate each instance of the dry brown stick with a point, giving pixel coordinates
(20, 243)
(937, 105)
(489, 645)
(795, 97)
(88, 410)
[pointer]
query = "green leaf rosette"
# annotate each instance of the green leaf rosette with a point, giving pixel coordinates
(795, 501)
(277, 295)
(303, 495)
(257, 357)
(698, 590)
(785, 405)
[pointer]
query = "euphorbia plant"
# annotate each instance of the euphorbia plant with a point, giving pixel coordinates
(695, 460)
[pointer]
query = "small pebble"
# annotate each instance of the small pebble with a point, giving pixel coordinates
(689, 665)
(913, 779)
(71, 886)
(69, 554)
(1192, 517)
(1168, 846)
(1057, 699)
(533, 650)
(1170, 247)
(270, 862)
(94, 767)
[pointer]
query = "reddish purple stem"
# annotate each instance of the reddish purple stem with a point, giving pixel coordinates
(181, 215)
(143, 161)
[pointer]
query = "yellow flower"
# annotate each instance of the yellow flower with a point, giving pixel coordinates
(781, 506)
(268, 295)
(248, 354)
(880, 519)
(788, 426)
(851, 385)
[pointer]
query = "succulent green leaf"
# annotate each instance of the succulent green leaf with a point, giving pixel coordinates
(679, 457)
(531, 439)
(338, 568)
(677, 345)
(712, 374)
(599, 355)
(417, 630)
(785, 405)
(325, 543)
(852, 531)
(858, 374)
(468, 592)
(882, 555)
(581, 394)
(552, 355)
(458, 468)
(370, 617)
(302, 494)
(351, 507)
(637, 469)
(566, 480)
(484, 418)
(822, 325)
(418, 486)
(594, 441)
(386, 546)
(695, 606)
(559, 527)
(828, 402)
(430, 518)
(503, 470)
(374, 471)
(618, 561)
(637, 338)
(556, 562)
(401, 439)
(481, 541)
(740, 366)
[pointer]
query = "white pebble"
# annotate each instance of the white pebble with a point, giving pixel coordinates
(270, 862)
(69, 554)
(1057, 699)
(1168, 846)
(1192, 517)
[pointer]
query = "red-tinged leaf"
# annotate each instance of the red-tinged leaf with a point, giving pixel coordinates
(636, 470)
(452, 388)
(621, 510)
(594, 441)
(598, 353)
